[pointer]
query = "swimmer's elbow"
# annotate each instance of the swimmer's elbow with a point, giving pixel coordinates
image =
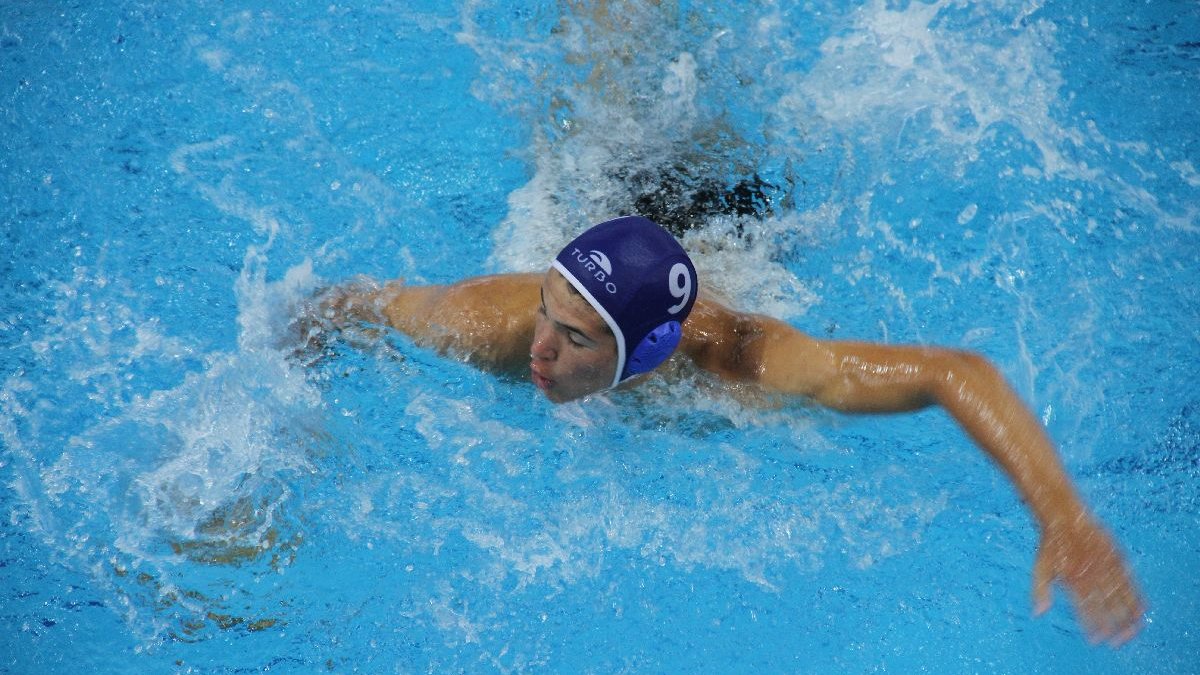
(964, 374)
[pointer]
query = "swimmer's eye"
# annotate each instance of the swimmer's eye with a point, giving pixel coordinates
(578, 340)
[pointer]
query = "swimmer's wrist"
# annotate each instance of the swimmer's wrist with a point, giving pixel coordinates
(1065, 514)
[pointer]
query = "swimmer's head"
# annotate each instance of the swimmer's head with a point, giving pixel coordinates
(641, 282)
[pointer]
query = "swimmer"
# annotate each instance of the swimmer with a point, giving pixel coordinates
(623, 297)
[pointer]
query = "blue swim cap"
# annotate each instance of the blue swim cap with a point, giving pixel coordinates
(640, 280)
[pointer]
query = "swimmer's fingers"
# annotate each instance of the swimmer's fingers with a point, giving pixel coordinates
(1130, 630)
(332, 307)
(1043, 579)
(317, 319)
(1109, 597)
(308, 328)
(355, 299)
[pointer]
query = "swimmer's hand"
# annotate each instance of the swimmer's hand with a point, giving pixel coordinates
(1082, 556)
(343, 311)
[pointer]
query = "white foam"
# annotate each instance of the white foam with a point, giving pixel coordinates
(1187, 172)
(897, 65)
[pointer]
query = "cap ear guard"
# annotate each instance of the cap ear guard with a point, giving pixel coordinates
(656, 347)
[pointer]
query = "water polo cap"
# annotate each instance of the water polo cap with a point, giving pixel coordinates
(640, 280)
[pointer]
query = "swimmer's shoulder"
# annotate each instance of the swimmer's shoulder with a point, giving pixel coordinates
(738, 345)
(404, 302)
(710, 332)
(488, 320)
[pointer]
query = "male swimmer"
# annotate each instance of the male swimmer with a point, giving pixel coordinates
(623, 297)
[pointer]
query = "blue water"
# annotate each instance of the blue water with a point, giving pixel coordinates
(1021, 179)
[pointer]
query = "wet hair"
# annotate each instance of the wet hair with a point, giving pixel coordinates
(681, 199)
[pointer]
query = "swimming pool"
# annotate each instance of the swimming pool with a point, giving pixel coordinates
(1016, 178)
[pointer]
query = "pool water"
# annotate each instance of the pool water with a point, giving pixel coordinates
(181, 495)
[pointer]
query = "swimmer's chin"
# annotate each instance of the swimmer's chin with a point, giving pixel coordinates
(551, 390)
(558, 399)
(553, 394)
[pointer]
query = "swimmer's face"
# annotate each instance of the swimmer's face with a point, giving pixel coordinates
(573, 352)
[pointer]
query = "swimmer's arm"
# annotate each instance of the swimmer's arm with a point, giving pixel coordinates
(485, 320)
(857, 377)
(1075, 549)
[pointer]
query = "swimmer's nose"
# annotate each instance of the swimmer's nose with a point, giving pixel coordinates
(542, 348)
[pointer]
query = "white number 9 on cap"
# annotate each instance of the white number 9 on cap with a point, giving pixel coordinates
(680, 283)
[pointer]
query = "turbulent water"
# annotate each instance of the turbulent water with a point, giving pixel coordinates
(183, 493)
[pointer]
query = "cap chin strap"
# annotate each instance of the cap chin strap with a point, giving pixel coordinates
(612, 324)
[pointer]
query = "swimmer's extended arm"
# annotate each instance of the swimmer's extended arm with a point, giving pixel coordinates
(485, 320)
(860, 377)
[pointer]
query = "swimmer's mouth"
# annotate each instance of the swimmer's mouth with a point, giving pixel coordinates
(540, 381)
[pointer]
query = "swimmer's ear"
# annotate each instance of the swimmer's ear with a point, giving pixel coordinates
(656, 347)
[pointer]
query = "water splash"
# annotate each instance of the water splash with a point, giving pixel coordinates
(171, 453)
